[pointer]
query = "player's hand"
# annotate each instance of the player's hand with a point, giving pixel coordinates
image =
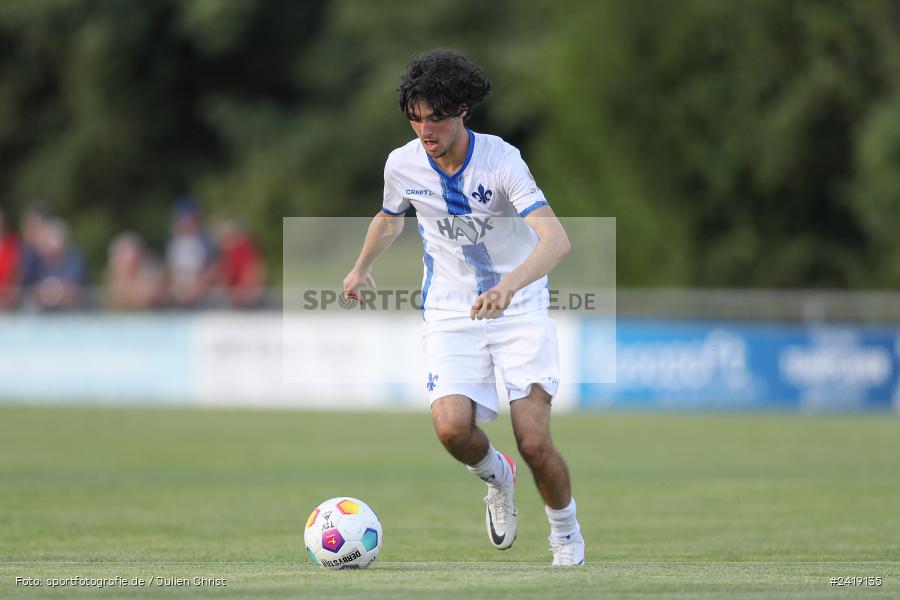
(491, 303)
(354, 281)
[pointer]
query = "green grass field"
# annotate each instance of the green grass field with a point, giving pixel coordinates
(672, 506)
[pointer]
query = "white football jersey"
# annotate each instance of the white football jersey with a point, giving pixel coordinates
(471, 223)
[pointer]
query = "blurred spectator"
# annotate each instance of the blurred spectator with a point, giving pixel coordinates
(9, 266)
(190, 257)
(242, 272)
(30, 257)
(61, 275)
(134, 278)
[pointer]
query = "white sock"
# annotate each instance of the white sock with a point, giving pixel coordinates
(493, 468)
(563, 523)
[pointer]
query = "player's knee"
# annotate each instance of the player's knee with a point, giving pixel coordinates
(535, 449)
(453, 433)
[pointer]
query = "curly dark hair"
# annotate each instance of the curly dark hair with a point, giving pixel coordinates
(448, 81)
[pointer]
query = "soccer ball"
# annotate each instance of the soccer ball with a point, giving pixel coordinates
(343, 533)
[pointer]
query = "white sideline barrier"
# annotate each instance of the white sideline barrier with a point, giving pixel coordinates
(356, 362)
(229, 359)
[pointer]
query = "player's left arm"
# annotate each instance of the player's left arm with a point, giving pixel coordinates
(552, 246)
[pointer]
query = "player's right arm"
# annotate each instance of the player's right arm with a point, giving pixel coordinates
(383, 230)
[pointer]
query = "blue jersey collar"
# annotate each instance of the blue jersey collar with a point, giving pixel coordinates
(441, 172)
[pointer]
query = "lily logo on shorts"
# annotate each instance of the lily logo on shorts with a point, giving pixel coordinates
(432, 382)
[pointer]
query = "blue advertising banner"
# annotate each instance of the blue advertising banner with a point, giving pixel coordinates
(732, 365)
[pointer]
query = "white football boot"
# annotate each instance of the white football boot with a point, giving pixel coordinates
(568, 551)
(500, 515)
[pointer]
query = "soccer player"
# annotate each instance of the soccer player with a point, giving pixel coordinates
(490, 239)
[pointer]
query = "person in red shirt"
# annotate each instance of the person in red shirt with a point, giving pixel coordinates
(9, 267)
(242, 270)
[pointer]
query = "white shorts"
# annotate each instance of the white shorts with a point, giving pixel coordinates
(461, 354)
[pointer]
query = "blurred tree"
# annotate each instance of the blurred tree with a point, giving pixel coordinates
(737, 143)
(723, 135)
(328, 159)
(874, 194)
(110, 108)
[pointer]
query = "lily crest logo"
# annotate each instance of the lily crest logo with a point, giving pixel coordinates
(482, 195)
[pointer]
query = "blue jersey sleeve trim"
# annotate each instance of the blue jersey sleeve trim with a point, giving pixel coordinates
(390, 212)
(533, 208)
